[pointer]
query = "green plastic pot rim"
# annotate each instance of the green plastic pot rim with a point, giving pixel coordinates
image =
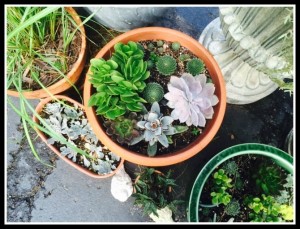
(280, 157)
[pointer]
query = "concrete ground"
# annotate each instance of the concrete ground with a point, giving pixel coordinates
(37, 193)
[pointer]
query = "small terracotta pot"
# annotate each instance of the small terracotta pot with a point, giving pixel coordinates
(212, 126)
(72, 75)
(38, 109)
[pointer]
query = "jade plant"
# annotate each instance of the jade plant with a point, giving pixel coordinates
(119, 81)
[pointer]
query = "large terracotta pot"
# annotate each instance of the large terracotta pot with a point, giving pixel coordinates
(38, 109)
(212, 126)
(72, 76)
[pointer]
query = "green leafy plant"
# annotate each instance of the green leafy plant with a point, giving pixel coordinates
(153, 92)
(118, 81)
(195, 66)
(220, 196)
(153, 191)
(166, 65)
(221, 183)
(269, 179)
(266, 209)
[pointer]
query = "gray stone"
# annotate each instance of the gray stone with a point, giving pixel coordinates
(126, 18)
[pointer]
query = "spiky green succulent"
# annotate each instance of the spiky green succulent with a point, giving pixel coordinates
(153, 92)
(166, 65)
(233, 208)
(118, 81)
(160, 50)
(123, 128)
(195, 66)
(175, 46)
(184, 57)
(159, 43)
(230, 167)
(150, 46)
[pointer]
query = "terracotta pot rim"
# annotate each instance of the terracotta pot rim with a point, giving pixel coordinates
(203, 140)
(39, 107)
(72, 76)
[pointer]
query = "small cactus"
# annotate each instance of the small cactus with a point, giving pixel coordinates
(160, 50)
(159, 43)
(153, 92)
(184, 57)
(176, 46)
(233, 208)
(150, 46)
(195, 66)
(166, 65)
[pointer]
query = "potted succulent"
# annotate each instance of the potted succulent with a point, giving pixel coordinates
(244, 183)
(153, 192)
(136, 104)
(46, 50)
(74, 141)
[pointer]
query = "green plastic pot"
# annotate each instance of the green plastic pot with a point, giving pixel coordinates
(280, 157)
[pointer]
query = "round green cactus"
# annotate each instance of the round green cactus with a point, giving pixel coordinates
(176, 46)
(159, 43)
(233, 208)
(166, 65)
(160, 50)
(153, 92)
(195, 66)
(184, 57)
(150, 46)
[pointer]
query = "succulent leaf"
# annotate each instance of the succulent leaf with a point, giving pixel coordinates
(191, 99)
